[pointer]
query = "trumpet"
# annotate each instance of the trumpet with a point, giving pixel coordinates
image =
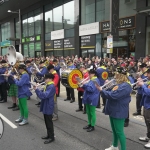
(80, 82)
(145, 79)
(109, 84)
(41, 84)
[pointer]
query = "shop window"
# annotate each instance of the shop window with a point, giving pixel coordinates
(31, 26)
(48, 21)
(58, 53)
(68, 18)
(98, 45)
(17, 28)
(58, 17)
(31, 49)
(25, 27)
(25, 50)
(69, 33)
(87, 11)
(38, 46)
(47, 36)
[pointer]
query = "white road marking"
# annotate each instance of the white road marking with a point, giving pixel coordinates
(8, 122)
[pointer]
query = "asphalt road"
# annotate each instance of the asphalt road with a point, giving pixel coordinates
(69, 134)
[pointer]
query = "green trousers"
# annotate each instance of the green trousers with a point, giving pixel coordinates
(23, 107)
(117, 126)
(90, 110)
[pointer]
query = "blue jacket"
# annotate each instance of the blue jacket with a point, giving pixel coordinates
(102, 74)
(131, 79)
(2, 78)
(29, 71)
(47, 99)
(11, 79)
(91, 93)
(72, 66)
(57, 68)
(146, 96)
(23, 86)
(118, 99)
(143, 76)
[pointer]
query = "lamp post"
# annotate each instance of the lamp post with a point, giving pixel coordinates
(18, 12)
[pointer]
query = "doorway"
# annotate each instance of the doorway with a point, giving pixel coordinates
(37, 54)
(120, 52)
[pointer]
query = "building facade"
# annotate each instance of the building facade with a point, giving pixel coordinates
(75, 27)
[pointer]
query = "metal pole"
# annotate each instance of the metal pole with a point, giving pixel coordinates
(20, 45)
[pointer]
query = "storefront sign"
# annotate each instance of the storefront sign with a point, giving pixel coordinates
(58, 45)
(49, 45)
(88, 41)
(5, 43)
(88, 29)
(30, 39)
(124, 23)
(69, 43)
(109, 41)
(59, 34)
(38, 38)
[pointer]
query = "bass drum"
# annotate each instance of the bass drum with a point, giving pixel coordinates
(68, 78)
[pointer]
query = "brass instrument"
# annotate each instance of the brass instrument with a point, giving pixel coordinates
(109, 84)
(145, 79)
(81, 81)
(37, 85)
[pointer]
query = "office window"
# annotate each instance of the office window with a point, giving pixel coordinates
(37, 21)
(17, 28)
(68, 18)
(31, 26)
(48, 21)
(58, 16)
(100, 10)
(87, 11)
(5, 30)
(25, 27)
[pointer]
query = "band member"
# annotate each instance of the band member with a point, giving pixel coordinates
(57, 68)
(40, 75)
(70, 91)
(90, 99)
(56, 81)
(143, 75)
(13, 91)
(81, 90)
(23, 93)
(47, 106)
(145, 102)
(102, 75)
(3, 83)
(117, 106)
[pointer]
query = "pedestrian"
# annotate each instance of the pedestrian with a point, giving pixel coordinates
(47, 105)
(117, 107)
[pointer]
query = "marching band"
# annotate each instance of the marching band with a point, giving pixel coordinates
(93, 83)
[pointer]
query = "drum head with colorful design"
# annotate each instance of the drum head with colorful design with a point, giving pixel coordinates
(104, 75)
(72, 78)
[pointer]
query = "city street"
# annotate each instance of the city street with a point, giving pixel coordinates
(69, 134)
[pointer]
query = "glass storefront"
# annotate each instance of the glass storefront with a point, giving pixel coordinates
(17, 28)
(57, 18)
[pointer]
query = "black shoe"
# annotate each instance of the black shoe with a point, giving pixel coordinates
(15, 109)
(84, 112)
(98, 107)
(67, 99)
(49, 141)
(78, 110)
(13, 106)
(91, 129)
(87, 127)
(3, 101)
(38, 103)
(126, 124)
(72, 101)
(45, 137)
(136, 113)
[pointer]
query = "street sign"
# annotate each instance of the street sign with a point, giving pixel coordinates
(110, 41)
